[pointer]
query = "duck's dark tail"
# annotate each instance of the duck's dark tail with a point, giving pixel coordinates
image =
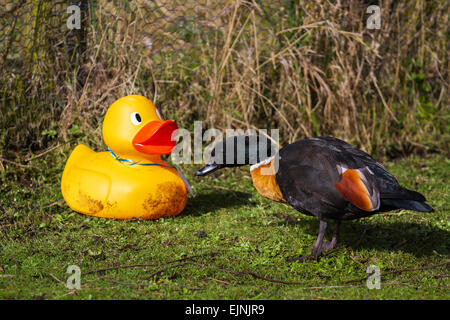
(402, 198)
(407, 204)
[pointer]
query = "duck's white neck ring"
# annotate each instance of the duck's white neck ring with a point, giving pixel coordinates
(265, 161)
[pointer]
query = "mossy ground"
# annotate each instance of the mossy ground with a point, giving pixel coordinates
(41, 236)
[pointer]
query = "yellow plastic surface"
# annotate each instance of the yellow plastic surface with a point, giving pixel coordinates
(95, 183)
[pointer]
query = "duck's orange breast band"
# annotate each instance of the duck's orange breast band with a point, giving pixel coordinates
(352, 188)
(265, 182)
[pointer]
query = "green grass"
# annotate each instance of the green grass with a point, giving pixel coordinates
(40, 237)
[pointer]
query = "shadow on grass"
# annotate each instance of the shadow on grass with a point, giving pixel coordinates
(215, 200)
(417, 239)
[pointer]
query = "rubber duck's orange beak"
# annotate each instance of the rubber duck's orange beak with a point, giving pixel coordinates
(156, 137)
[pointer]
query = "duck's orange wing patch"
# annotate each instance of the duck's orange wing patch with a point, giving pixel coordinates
(353, 189)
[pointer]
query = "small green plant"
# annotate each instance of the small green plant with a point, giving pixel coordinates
(74, 130)
(51, 132)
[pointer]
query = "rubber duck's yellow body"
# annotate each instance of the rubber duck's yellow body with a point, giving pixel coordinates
(131, 181)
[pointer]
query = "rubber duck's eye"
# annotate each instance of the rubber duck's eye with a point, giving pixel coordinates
(136, 118)
(158, 114)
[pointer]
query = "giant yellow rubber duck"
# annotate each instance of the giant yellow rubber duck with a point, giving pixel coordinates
(130, 180)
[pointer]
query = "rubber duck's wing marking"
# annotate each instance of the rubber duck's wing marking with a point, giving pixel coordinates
(80, 194)
(359, 188)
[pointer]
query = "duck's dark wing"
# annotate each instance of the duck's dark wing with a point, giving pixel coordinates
(329, 178)
(309, 190)
(388, 185)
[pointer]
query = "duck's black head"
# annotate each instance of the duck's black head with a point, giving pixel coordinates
(238, 151)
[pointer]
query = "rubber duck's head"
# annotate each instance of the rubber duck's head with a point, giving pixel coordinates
(134, 127)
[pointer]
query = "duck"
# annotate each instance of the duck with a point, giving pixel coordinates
(323, 177)
(130, 180)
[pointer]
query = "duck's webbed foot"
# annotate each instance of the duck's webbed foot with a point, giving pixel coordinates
(317, 249)
(329, 245)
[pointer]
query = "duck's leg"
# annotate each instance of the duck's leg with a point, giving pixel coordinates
(331, 244)
(317, 249)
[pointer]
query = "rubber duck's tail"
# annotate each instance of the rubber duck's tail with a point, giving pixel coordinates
(78, 153)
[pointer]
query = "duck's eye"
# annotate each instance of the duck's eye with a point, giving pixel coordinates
(158, 114)
(136, 118)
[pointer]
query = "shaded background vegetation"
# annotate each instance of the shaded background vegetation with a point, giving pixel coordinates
(305, 67)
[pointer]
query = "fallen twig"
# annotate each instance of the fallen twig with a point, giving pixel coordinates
(258, 276)
(7, 225)
(440, 275)
(54, 203)
(401, 271)
(164, 269)
(355, 286)
(183, 262)
(221, 281)
(358, 262)
(122, 267)
(14, 163)
(130, 284)
(363, 234)
(399, 244)
(56, 278)
(236, 273)
(35, 156)
(152, 264)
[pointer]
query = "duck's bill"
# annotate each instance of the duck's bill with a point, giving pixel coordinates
(156, 137)
(207, 170)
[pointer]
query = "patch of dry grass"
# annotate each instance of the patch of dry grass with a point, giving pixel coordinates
(305, 67)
